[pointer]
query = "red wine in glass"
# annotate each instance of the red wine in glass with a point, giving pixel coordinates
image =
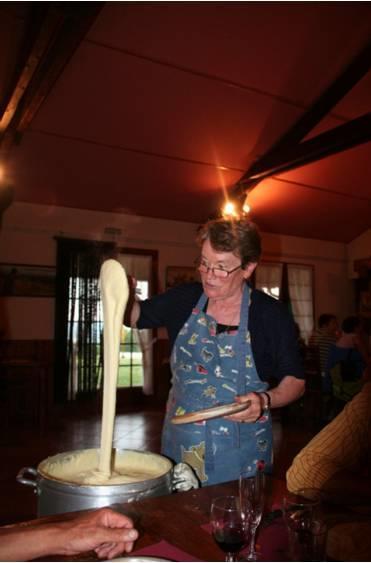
(230, 525)
(231, 539)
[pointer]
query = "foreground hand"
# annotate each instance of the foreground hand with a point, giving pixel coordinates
(252, 413)
(105, 531)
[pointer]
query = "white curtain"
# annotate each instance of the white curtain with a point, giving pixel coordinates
(268, 278)
(139, 267)
(300, 280)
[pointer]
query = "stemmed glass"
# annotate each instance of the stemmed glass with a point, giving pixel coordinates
(252, 502)
(230, 526)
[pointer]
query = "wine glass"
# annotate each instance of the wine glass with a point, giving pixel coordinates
(252, 503)
(230, 526)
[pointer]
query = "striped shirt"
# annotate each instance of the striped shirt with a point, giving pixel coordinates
(323, 342)
(345, 443)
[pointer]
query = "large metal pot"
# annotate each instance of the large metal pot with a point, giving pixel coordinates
(57, 496)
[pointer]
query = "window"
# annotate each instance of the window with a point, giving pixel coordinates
(300, 282)
(131, 349)
(85, 326)
(269, 278)
(136, 353)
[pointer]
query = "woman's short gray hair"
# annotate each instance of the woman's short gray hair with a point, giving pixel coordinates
(239, 236)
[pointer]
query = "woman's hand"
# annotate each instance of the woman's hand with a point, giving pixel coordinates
(288, 390)
(253, 412)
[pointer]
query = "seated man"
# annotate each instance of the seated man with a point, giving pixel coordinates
(338, 461)
(340, 452)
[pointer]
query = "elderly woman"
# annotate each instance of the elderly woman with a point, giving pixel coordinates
(228, 341)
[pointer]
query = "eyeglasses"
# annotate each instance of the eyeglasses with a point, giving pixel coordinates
(217, 272)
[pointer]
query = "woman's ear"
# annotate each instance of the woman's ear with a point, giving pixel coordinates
(249, 269)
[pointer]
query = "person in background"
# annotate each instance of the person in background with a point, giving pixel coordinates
(300, 341)
(323, 338)
(227, 341)
(348, 362)
(319, 345)
(105, 531)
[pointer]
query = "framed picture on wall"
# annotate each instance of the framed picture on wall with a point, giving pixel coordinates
(21, 280)
(365, 304)
(176, 275)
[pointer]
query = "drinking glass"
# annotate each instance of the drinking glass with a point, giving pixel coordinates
(252, 502)
(230, 526)
(305, 530)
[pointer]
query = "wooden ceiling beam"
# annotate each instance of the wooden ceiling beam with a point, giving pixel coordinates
(64, 26)
(284, 154)
(338, 139)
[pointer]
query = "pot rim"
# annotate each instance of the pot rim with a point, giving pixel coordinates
(48, 477)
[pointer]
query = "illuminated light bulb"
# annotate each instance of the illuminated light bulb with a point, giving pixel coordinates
(246, 207)
(229, 209)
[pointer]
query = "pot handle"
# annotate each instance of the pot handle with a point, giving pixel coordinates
(22, 479)
(184, 478)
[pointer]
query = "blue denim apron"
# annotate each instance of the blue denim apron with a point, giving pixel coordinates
(210, 369)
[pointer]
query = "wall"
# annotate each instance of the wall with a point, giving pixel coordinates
(358, 249)
(28, 238)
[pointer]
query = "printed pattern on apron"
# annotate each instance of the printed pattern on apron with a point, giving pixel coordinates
(210, 369)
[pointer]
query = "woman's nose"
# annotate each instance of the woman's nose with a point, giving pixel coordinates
(210, 272)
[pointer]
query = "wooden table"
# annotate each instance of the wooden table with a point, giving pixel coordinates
(177, 518)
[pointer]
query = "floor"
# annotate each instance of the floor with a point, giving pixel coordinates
(78, 427)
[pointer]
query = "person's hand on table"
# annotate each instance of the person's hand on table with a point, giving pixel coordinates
(105, 531)
(253, 412)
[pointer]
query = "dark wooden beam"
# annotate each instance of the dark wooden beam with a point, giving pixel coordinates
(64, 26)
(355, 70)
(343, 137)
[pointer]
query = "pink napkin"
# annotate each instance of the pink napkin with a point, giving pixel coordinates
(166, 550)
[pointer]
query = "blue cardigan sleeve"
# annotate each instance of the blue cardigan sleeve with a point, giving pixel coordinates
(170, 309)
(273, 338)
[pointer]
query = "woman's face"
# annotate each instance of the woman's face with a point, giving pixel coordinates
(216, 287)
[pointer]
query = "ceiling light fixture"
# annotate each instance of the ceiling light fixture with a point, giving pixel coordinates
(246, 207)
(233, 209)
(229, 210)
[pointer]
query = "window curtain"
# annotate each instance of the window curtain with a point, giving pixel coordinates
(293, 285)
(78, 322)
(140, 268)
(300, 286)
(268, 278)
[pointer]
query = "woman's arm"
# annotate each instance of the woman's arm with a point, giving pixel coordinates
(288, 390)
